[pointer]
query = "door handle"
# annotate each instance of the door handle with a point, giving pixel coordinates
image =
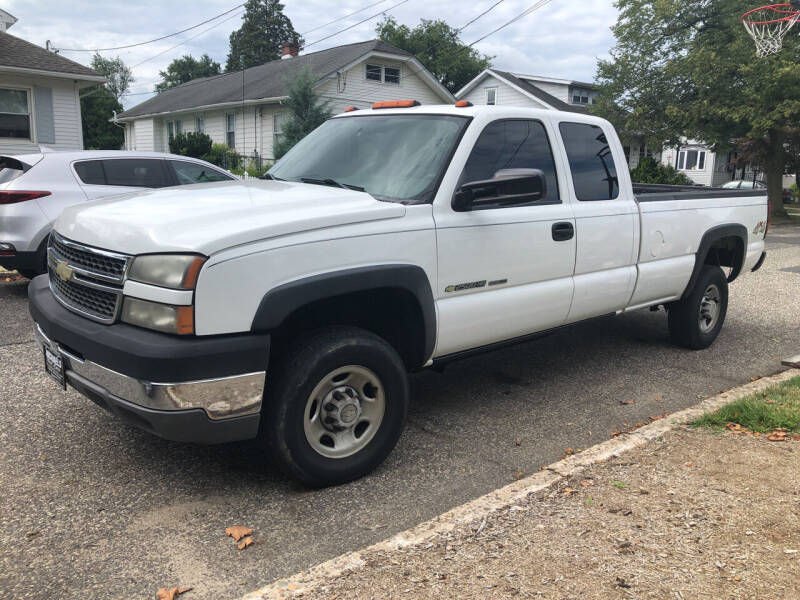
(563, 231)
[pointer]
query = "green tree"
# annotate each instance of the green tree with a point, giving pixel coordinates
(306, 112)
(688, 69)
(192, 143)
(97, 110)
(259, 39)
(650, 171)
(119, 76)
(437, 46)
(185, 69)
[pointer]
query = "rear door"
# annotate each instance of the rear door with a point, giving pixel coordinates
(606, 221)
(504, 271)
(110, 176)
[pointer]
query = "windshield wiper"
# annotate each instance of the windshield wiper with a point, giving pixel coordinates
(270, 176)
(331, 182)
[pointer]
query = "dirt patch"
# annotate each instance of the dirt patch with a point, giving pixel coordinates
(693, 515)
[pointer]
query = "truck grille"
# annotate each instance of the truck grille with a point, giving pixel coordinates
(86, 280)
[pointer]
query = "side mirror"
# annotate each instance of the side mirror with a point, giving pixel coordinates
(509, 187)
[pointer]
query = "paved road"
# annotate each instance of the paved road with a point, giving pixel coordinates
(90, 508)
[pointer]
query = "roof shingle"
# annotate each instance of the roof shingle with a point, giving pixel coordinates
(269, 80)
(19, 54)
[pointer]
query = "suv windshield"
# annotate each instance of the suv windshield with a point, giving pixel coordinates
(399, 158)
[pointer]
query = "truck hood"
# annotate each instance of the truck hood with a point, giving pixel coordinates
(210, 217)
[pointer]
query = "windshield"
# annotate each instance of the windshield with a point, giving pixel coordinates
(399, 158)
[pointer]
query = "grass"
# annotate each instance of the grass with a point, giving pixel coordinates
(777, 406)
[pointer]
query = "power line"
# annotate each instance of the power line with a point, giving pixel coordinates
(355, 24)
(187, 40)
(163, 37)
(532, 8)
(344, 17)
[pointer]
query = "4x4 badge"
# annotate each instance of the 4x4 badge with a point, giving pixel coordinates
(63, 270)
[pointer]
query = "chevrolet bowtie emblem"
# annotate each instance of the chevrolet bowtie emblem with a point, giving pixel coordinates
(63, 270)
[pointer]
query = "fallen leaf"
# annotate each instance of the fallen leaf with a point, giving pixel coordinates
(169, 594)
(779, 435)
(569, 451)
(237, 532)
(626, 402)
(756, 378)
(519, 474)
(689, 464)
(245, 543)
(518, 443)
(586, 483)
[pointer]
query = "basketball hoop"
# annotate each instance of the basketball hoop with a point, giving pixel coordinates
(768, 25)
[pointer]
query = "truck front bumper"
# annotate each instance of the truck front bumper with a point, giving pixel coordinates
(192, 389)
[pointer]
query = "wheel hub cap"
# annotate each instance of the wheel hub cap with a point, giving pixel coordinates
(709, 308)
(341, 408)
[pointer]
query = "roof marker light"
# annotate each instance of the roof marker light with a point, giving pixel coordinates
(350, 108)
(395, 104)
(463, 104)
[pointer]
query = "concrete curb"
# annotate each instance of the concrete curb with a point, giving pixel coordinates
(307, 581)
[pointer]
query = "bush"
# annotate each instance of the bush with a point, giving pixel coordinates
(193, 143)
(222, 156)
(650, 171)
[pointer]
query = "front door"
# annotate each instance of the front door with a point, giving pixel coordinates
(504, 272)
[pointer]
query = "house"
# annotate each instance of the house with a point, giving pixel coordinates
(246, 109)
(493, 86)
(703, 166)
(39, 95)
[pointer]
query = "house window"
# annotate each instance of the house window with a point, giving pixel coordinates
(382, 74)
(15, 114)
(230, 130)
(691, 160)
(491, 96)
(374, 72)
(277, 129)
(174, 128)
(199, 124)
(583, 95)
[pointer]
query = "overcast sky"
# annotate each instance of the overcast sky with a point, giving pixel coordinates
(561, 39)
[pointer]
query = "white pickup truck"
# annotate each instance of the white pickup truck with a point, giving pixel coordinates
(388, 240)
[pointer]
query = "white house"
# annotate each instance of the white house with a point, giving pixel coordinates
(493, 86)
(706, 167)
(39, 95)
(246, 111)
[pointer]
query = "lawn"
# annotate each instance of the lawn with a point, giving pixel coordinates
(777, 407)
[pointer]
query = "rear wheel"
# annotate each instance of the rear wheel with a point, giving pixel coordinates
(695, 321)
(335, 406)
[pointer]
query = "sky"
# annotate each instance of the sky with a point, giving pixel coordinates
(561, 39)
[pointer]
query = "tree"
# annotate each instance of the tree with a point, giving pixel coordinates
(97, 110)
(118, 75)
(689, 70)
(185, 69)
(194, 143)
(259, 39)
(650, 171)
(306, 112)
(437, 46)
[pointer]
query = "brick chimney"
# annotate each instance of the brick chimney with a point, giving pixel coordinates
(289, 50)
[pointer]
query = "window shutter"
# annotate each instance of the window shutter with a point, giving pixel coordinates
(43, 117)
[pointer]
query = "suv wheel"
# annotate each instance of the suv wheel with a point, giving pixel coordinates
(335, 405)
(695, 321)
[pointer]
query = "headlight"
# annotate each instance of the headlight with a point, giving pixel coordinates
(176, 271)
(161, 317)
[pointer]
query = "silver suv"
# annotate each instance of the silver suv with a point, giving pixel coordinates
(35, 188)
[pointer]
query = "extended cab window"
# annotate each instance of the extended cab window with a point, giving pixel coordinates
(512, 144)
(594, 173)
(136, 172)
(189, 172)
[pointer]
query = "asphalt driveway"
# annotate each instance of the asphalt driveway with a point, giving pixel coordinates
(91, 508)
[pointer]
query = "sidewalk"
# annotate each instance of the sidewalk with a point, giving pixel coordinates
(692, 514)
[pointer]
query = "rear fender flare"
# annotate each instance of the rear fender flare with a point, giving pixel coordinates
(709, 238)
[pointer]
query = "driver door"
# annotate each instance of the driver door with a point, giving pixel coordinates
(505, 272)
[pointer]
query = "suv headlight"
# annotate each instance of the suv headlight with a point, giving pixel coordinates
(174, 271)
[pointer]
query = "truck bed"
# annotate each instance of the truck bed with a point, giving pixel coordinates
(656, 192)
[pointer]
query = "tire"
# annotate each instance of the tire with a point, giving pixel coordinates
(695, 321)
(323, 391)
(40, 263)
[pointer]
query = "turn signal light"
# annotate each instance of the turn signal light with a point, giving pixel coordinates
(395, 104)
(14, 196)
(463, 103)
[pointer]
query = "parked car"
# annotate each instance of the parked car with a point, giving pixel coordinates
(388, 240)
(749, 184)
(35, 188)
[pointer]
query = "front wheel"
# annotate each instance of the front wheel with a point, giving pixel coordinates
(695, 321)
(335, 406)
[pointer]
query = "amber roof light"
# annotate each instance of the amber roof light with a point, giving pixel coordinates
(463, 104)
(395, 104)
(350, 108)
